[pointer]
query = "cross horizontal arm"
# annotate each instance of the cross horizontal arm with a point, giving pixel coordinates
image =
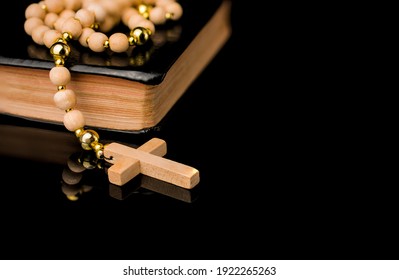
(153, 165)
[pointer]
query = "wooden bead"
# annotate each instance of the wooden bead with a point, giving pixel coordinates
(38, 34)
(50, 19)
(34, 10)
(107, 24)
(74, 120)
(149, 2)
(58, 23)
(54, 6)
(73, 4)
(85, 34)
(127, 13)
(32, 23)
(175, 10)
(50, 37)
(118, 42)
(162, 3)
(65, 99)
(134, 20)
(147, 24)
(98, 10)
(157, 15)
(85, 17)
(96, 41)
(67, 14)
(111, 7)
(124, 3)
(72, 26)
(60, 76)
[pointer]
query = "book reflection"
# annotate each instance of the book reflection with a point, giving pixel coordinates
(82, 172)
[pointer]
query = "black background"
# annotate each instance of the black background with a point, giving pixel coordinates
(279, 179)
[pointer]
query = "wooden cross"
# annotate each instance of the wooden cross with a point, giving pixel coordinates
(148, 159)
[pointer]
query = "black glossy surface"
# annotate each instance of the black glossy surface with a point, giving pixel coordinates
(286, 173)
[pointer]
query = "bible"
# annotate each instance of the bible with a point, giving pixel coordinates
(131, 91)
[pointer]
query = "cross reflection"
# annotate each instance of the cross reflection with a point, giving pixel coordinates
(80, 171)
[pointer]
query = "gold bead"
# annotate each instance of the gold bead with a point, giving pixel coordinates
(100, 154)
(100, 164)
(59, 61)
(106, 44)
(61, 87)
(131, 41)
(89, 165)
(95, 26)
(60, 50)
(169, 15)
(87, 160)
(67, 36)
(140, 35)
(87, 138)
(144, 10)
(97, 146)
(72, 197)
(79, 132)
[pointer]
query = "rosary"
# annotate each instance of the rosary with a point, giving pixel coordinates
(57, 23)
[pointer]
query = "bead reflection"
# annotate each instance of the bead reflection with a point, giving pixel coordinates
(81, 173)
(75, 184)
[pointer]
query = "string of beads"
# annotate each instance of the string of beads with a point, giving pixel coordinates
(56, 23)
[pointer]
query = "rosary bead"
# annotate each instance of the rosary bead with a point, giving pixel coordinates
(58, 23)
(50, 19)
(65, 99)
(60, 50)
(98, 149)
(98, 11)
(128, 13)
(174, 10)
(38, 34)
(67, 14)
(50, 37)
(79, 131)
(54, 6)
(60, 75)
(87, 138)
(118, 42)
(140, 35)
(157, 15)
(31, 23)
(96, 41)
(73, 4)
(86, 32)
(67, 36)
(85, 17)
(147, 24)
(74, 120)
(34, 10)
(72, 26)
(107, 24)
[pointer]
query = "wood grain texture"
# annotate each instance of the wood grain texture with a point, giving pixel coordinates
(126, 168)
(151, 165)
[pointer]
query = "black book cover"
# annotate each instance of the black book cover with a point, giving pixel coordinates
(146, 64)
